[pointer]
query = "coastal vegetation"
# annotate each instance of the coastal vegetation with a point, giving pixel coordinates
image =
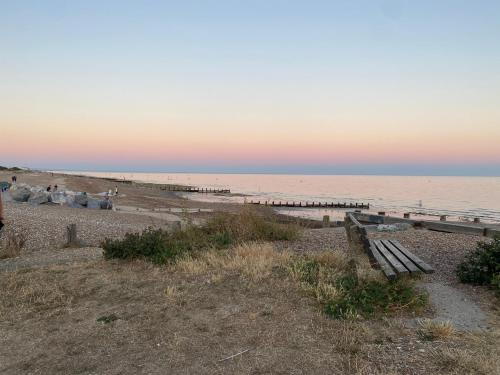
(12, 169)
(482, 266)
(351, 289)
(345, 288)
(223, 230)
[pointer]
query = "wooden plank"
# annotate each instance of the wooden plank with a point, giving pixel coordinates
(415, 259)
(408, 263)
(391, 259)
(384, 266)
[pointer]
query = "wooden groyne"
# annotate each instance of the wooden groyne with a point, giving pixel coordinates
(438, 226)
(194, 189)
(310, 204)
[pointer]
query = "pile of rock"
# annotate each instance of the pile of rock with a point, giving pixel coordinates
(38, 195)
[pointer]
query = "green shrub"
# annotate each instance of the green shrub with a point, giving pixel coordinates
(368, 299)
(482, 266)
(221, 231)
(350, 297)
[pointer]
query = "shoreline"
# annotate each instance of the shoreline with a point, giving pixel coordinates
(150, 196)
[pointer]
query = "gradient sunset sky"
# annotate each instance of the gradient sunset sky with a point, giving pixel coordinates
(388, 87)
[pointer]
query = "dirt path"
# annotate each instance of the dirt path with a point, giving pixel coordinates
(454, 305)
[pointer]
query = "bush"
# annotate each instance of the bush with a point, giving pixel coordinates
(482, 266)
(336, 285)
(368, 299)
(219, 232)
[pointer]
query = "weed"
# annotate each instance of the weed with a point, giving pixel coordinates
(106, 319)
(482, 266)
(171, 292)
(433, 329)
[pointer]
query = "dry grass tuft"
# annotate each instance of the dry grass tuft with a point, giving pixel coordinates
(252, 261)
(433, 329)
(12, 243)
(464, 361)
(172, 292)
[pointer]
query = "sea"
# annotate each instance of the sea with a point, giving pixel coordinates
(427, 197)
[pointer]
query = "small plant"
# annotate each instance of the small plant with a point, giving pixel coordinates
(12, 243)
(106, 319)
(171, 292)
(482, 266)
(433, 329)
(369, 299)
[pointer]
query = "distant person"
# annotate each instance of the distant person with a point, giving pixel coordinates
(110, 192)
(55, 187)
(49, 188)
(116, 190)
(14, 179)
(1, 213)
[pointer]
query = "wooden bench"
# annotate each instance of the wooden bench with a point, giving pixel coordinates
(388, 255)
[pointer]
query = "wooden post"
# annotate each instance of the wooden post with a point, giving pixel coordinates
(326, 221)
(71, 236)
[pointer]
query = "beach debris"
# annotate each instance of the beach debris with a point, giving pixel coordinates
(393, 227)
(234, 355)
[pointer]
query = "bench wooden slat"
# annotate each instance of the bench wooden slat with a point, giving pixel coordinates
(408, 263)
(384, 266)
(415, 259)
(391, 259)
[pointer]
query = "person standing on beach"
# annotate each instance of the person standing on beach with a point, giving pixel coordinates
(116, 190)
(14, 179)
(1, 212)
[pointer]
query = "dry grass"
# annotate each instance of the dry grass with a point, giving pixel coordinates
(252, 261)
(477, 353)
(11, 244)
(434, 329)
(132, 317)
(172, 292)
(31, 293)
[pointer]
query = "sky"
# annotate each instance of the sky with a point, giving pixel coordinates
(348, 87)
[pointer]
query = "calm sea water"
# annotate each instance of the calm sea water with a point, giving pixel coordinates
(461, 198)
